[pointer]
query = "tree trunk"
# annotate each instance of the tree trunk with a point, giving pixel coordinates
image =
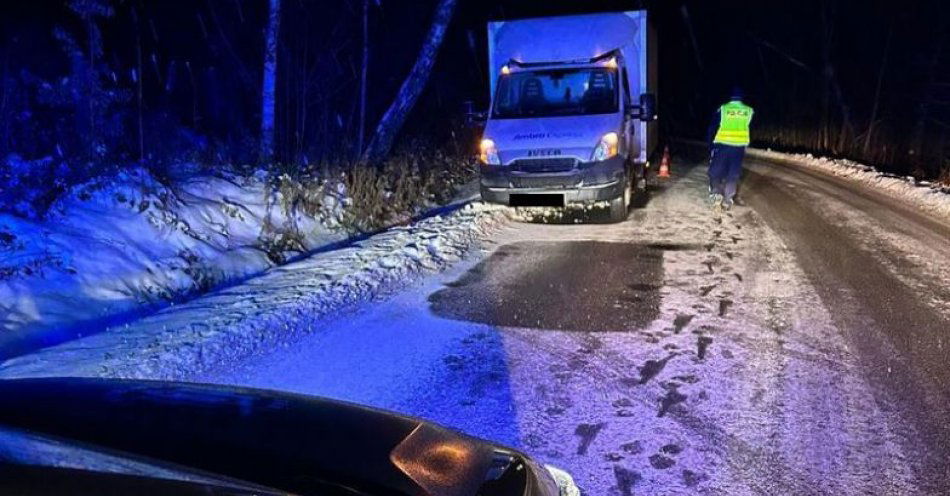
(364, 67)
(243, 72)
(847, 126)
(923, 105)
(692, 36)
(872, 122)
(831, 85)
(268, 89)
(138, 95)
(411, 88)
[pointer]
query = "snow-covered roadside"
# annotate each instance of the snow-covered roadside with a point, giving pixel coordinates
(181, 340)
(127, 243)
(927, 196)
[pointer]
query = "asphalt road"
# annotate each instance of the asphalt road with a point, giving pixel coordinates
(878, 296)
(793, 346)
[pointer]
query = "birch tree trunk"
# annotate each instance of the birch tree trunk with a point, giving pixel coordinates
(412, 87)
(364, 67)
(268, 88)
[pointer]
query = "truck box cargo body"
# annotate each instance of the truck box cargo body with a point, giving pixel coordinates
(571, 117)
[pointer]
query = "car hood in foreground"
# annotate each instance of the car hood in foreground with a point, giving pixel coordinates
(284, 441)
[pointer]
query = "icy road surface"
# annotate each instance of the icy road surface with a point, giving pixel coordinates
(794, 346)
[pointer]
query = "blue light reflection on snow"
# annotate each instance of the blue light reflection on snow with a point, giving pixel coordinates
(398, 356)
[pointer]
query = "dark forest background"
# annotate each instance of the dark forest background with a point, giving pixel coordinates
(89, 86)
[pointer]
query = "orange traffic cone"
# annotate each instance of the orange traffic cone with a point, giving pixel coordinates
(665, 163)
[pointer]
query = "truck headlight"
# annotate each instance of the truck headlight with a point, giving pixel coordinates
(488, 154)
(607, 148)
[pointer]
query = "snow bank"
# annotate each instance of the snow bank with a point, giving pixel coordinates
(129, 242)
(183, 339)
(930, 197)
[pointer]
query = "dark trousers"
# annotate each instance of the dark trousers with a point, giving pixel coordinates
(725, 169)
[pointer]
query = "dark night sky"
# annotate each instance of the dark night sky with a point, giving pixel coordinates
(772, 49)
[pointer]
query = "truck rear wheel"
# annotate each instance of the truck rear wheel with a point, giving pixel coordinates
(641, 179)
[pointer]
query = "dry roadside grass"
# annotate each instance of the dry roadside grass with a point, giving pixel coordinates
(401, 187)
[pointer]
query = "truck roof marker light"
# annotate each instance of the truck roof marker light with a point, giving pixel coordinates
(611, 63)
(505, 69)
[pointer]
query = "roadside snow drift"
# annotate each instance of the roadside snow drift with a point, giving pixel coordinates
(180, 340)
(129, 242)
(927, 196)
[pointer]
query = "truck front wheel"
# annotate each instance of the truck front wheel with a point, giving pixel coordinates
(619, 205)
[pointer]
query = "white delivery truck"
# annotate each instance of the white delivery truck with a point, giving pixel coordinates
(572, 117)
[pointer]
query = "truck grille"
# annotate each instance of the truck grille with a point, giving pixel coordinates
(560, 164)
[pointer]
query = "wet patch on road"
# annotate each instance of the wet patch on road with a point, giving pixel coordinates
(569, 286)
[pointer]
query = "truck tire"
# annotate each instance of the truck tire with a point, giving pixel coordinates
(640, 180)
(619, 205)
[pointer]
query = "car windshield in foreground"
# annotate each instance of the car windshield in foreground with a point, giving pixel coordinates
(561, 92)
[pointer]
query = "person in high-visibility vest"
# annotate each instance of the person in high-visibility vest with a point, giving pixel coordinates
(729, 137)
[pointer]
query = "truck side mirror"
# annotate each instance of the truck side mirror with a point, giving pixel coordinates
(476, 118)
(647, 107)
(473, 118)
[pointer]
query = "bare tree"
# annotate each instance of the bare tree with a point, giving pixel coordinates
(412, 87)
(242, 70)
(268, 89)
(831, 87)
(872, 121)
(923, 109)
(138, 85)
(692, 36)
(364, 67)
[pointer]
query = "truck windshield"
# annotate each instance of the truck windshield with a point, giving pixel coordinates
(561, 92)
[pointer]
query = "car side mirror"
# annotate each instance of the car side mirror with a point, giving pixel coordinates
(647, 107)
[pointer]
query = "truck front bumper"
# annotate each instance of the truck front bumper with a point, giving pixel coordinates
(587, 183)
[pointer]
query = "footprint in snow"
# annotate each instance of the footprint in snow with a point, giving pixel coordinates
(632, 448)
(702, 343)
(672, 398)
(652, 368)
(626, 479)
(661, 462)
(587, 433)
(453, 362)
(691, 479)
(671, 449)
(724, 305)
